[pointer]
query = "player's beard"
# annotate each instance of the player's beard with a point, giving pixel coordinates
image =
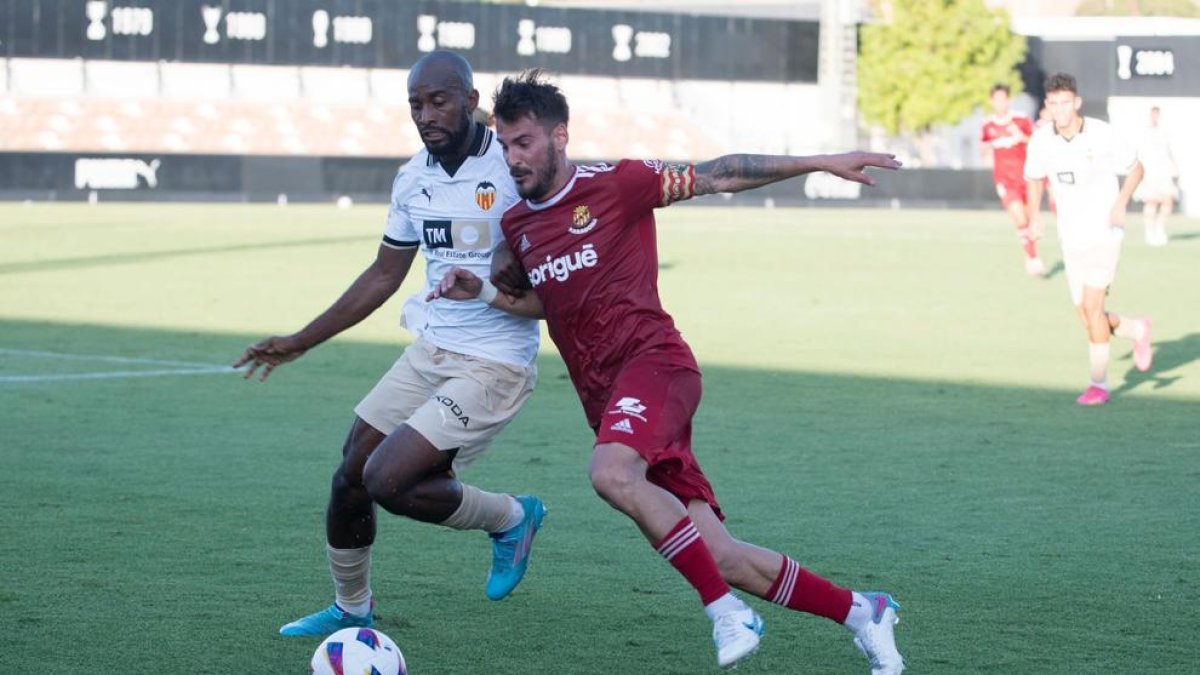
(454, 139)
(541, 189)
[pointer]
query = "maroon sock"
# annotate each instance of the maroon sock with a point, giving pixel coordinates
(797, 588)
(1028, 243)
(686, 551)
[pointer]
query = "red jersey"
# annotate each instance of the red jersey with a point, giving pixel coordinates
(591, 254)
(1008, 146)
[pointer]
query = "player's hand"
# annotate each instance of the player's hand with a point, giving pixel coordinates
(508, 276)
(511, 279)
(852, 166)
(269, 354)
(456, 284)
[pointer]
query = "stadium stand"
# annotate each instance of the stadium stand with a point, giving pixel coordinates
(110, 106)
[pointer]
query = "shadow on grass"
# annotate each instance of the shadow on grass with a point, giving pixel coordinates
(1056, 269)
(148, 256)
(1168, 356)
(161, 505)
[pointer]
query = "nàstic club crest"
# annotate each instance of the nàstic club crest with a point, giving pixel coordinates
(582, 220)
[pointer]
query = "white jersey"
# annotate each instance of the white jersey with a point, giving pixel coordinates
(456, 222)
(1083, 172)
(1155, 154)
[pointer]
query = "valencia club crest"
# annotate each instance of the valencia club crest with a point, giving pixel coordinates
(485, 195)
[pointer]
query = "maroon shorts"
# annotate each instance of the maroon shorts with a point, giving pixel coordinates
(650, 410)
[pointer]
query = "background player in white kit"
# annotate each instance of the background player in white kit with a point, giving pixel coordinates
(1158, 191)
(1081, 157)
(452, 391)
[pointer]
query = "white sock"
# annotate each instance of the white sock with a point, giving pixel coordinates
(516, 513)
(723, 605)
(351, 571)
(860, 614)
(1098, 361)
(487, 511)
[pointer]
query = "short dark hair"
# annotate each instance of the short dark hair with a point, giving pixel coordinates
(1061, 82)
(530, 93)
(1001, 87)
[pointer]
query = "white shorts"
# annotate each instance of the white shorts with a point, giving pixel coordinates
(1156, 187)
(1095, 267)
(453, 400)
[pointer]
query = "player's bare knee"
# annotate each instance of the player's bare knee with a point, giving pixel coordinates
(346, 482)
(1086, 309)
(610, 482)
(385, 487)
(613, 477)
(348, 497)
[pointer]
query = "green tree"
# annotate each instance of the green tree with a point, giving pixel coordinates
(930, 62)
(1139, 8)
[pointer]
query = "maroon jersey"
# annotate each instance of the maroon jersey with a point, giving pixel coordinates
(591, 255)
(1008, 146)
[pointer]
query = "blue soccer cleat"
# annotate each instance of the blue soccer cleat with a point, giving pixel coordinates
(326, 622)
(510, 549)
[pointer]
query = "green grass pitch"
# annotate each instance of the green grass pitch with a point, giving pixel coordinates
(889, 399)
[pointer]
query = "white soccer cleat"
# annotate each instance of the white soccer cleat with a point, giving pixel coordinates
(736, 635)
(1034, 267)
(877, 640)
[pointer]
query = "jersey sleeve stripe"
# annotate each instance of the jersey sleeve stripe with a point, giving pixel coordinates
(396, 243)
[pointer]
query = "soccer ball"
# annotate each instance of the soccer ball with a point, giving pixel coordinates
(358, 651)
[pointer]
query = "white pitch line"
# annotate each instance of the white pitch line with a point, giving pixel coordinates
(115, 374)
(103, 357)
(180, 367)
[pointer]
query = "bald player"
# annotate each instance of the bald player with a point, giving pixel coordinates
(451, 392)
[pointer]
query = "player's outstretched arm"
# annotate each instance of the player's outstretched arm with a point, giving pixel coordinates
(371, 289)
(735, 173)
(461, 284)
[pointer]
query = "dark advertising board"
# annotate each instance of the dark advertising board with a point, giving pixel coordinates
(1155, 66)
(393, 34)
(174, 177)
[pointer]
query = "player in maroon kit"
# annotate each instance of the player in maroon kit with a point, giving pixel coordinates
(585, 236)
(1004, 138)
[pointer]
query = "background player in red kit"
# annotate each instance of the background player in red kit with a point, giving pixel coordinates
(585, 237)
(1004, 138)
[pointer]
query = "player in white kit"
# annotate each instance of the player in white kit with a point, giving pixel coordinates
(1158, 191)
(449, 394)
(1081, 158)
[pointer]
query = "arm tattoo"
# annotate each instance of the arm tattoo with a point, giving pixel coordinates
(743, 172)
